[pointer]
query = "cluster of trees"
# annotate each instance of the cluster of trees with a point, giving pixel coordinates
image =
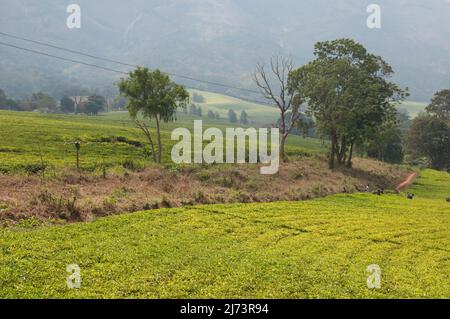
(197, 98)
(43, 102)
(195, 110)
(344, 95)
(38, 101)
(344, 89)
(233, 117)
(213, 116)
(7, 103)
(92, 106)
(429, 134)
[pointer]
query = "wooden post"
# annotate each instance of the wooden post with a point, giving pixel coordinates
(78, 146)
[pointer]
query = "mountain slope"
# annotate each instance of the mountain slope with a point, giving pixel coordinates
(222, 40)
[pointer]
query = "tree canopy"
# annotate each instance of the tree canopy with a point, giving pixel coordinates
(440, 105)
(347, 93)
(151, 95)
(429, 136)
(67, 105)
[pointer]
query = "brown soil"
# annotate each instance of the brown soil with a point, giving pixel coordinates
(407, 182)
(83, 197)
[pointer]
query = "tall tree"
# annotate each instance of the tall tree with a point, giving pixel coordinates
(386, 142)
(429, 136)
(95, 104)
(440, 105)
(244, 118)
(43, 101)
(151, 95)
(67, 105)
(211, 115)
(232, 116)
(3, 99)
(347, 94)
(274, 85)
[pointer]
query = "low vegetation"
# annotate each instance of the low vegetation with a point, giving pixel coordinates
(220, 230)
(33, 141)
(73, 196)
(309, 249)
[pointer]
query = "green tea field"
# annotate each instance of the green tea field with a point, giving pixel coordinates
(311, 249)
(29, 140)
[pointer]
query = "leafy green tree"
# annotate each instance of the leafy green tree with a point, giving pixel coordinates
(244, 118)
(347, 94)
(3, 99)
(386, 143)
(151, 95)
(198, 98)
(43, 102)
(429, 136)
(404, 121)
(211, 115)
(232, 116)
(193, 109)
(305, 126)
(94, 105)
(440, 105)
(119, 103)
(12, 105)
(7, 104)
(67, 105)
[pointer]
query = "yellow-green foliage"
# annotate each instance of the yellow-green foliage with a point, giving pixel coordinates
(28, 140)
(432, 184)
(260, 113)
(309, 249)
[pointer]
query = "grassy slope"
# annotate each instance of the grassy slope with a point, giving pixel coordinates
(260, 113)
(413, 108)
(24, 137)
(317, 248)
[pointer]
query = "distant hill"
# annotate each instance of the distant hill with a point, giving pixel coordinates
(412, 108)
(220, 40)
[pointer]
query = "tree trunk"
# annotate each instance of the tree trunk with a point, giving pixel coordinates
(342, 151)
(332, 152)
(282, 144)
(350, 155)
(149, 138)
(159, 140)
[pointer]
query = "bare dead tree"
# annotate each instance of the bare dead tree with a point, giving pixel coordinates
(274, 85)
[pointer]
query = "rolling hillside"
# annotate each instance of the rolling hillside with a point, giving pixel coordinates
(259, 113)
(27, 139)
(312, 249)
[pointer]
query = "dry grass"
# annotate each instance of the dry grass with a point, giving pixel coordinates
(77, 196)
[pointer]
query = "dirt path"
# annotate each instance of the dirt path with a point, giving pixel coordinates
(407, 182)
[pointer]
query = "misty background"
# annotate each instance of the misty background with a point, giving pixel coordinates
(217, 40)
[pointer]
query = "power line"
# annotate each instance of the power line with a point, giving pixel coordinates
(61, 58)
(124, 63)
(87, 64)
